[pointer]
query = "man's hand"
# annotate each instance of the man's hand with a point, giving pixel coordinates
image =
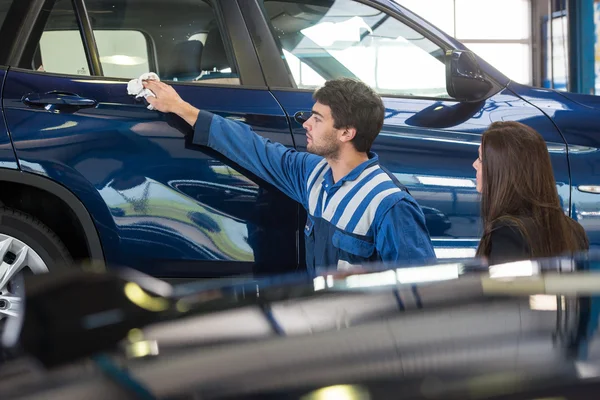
(168, 101)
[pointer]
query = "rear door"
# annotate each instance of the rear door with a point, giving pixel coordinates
(429, 141)
(160, 204)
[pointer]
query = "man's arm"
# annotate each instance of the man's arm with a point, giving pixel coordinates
(402, 236)
(282, 167)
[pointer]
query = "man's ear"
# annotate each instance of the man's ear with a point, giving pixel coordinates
(348, 134)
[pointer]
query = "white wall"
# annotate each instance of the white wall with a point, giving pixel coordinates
(499, 31)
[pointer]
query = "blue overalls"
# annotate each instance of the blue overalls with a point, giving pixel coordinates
(364, 217)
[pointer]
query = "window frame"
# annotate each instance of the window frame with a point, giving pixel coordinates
(23, 42)
(87, 37)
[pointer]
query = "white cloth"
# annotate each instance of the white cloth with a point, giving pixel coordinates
(136, 88)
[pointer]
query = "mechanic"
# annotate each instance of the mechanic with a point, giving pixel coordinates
(358, 212)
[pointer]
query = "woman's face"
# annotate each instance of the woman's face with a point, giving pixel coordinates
(478, 167)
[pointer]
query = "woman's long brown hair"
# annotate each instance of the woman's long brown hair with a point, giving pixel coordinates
(519, 190)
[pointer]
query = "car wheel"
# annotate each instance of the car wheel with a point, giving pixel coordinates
(26, 246)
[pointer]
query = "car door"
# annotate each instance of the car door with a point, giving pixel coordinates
(160, 204)
(429, 140)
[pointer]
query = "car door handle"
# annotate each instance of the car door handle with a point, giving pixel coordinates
(57, 99)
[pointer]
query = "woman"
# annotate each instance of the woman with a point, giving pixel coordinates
(521, 211)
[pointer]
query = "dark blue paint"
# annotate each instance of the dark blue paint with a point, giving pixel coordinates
(160, 204)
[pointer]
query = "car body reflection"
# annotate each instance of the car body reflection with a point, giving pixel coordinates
(530, 325)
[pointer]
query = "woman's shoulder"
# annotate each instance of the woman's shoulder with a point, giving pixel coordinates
(519, 234)
(511, 227)
(508, 241)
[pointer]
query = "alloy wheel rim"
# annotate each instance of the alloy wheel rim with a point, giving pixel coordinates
(15, 256)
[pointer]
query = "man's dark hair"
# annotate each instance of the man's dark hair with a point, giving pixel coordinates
(353, 105)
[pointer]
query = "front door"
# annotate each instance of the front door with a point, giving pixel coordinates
(429, 141)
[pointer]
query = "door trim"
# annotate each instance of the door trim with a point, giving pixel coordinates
(87, 37)
(275, 69)
(239, 44)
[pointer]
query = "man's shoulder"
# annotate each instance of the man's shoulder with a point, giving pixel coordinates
(402, 198)
(391, 194)
(384, 191)
(392, 177)
(399, 200)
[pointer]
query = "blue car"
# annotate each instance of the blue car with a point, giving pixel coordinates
(90, 173)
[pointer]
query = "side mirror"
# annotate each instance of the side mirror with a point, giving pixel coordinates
(465, 81)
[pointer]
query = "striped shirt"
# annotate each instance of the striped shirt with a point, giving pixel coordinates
(367, 216)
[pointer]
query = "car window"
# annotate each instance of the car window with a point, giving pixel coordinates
(180, 40)
(348, 38)
(62, 52)
(60, 49)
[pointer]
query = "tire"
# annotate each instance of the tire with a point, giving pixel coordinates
(36, 235)
(27, 246)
